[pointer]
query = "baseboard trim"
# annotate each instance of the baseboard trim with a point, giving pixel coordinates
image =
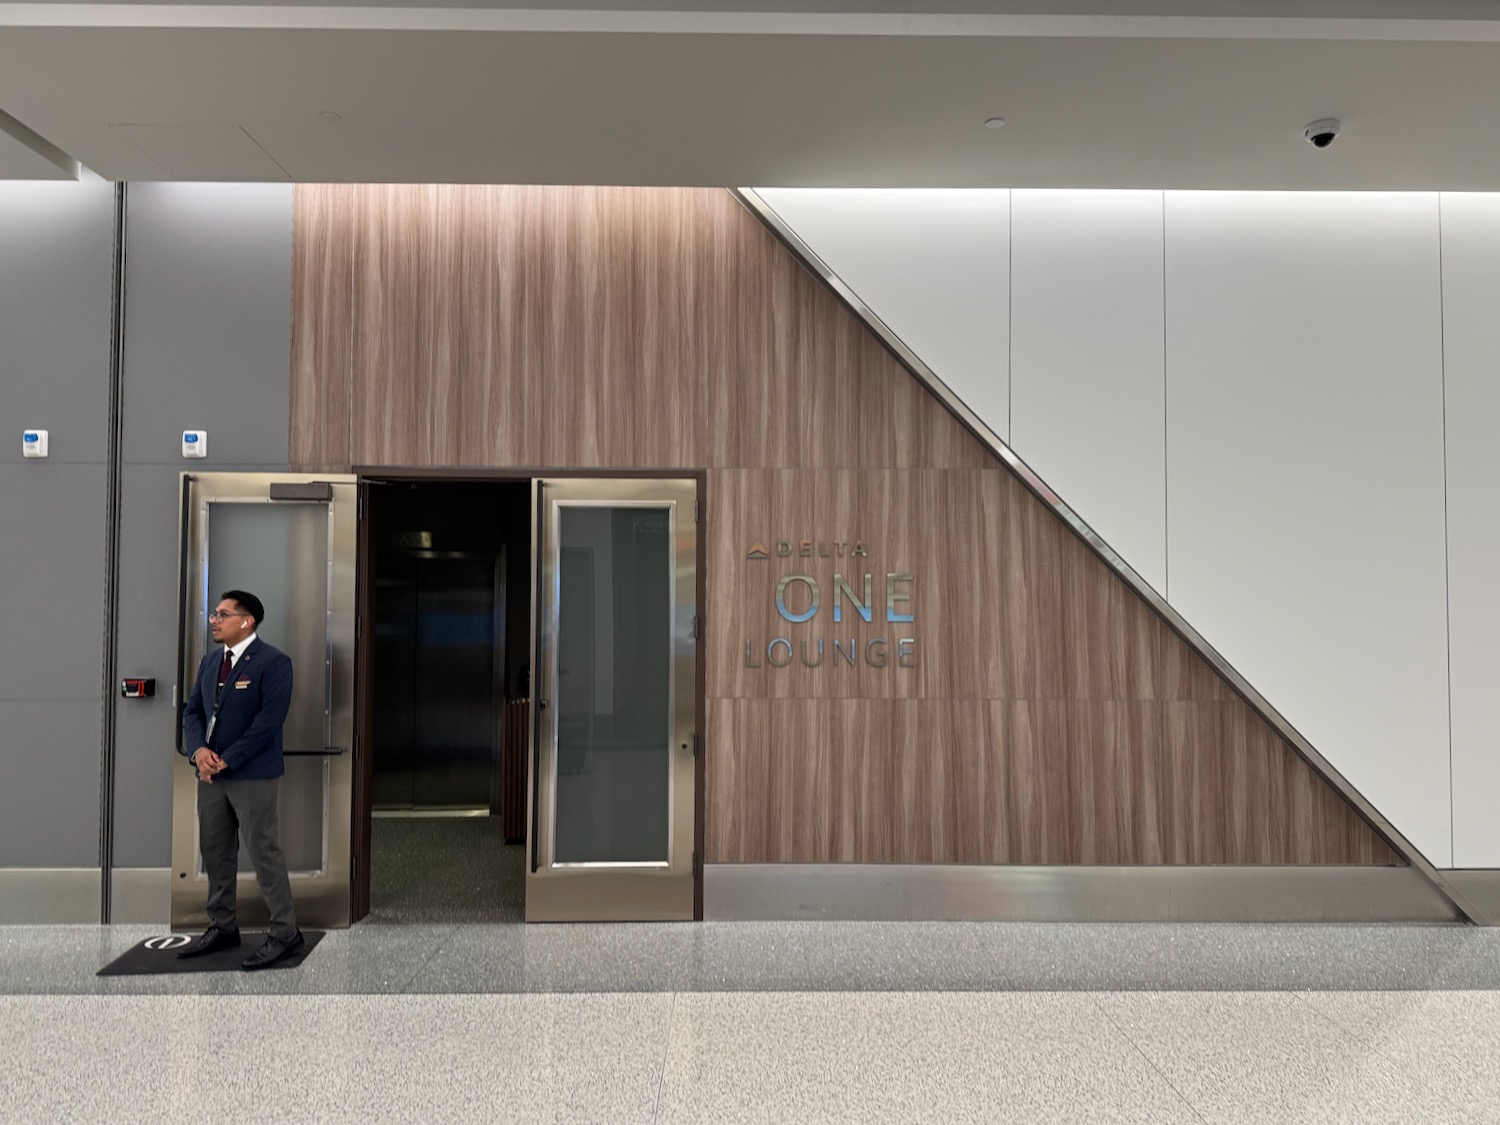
(141, 894)
(911, 892)
(1481, 890)
(902, 892)
(49, 896)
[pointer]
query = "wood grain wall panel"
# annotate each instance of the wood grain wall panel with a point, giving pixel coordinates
(955, 618)
(997, 801)
(391, 421)
(1051, 717)
(736, 763)
(322, 291)
(1236, 793)
(1118, 775)
(1185, 674)
(561, 335)
(1193, 783)
(1084, 782)
(1041, 779)
(491, 396)
(444, 344)
(1027, 553)
(829, 771)
(672, 256)
(1110, 649)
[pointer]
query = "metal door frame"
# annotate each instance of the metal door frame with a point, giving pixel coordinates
(369, 475)
(323, 896)
(653, 891)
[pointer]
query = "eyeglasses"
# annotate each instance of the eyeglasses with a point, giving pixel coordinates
(220, 615)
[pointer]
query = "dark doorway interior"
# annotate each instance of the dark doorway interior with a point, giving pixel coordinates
(450, 684)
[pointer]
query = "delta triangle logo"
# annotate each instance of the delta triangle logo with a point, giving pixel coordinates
(758, 551)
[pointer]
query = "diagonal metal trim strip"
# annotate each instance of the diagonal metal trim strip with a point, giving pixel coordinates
(789, 238)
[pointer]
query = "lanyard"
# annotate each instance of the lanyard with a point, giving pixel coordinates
(213, 718)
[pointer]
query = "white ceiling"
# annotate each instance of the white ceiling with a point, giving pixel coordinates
(1129, 93)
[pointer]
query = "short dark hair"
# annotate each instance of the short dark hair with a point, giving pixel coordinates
(247, 602)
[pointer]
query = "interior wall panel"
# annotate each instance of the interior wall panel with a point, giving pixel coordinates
(208, 343)
(56, 248)
(1087, 361)
(934, 265)
(1471, 356)
(1305, 473)
(49, 809)
(56, 242)
(1033, 711)
(322, 281)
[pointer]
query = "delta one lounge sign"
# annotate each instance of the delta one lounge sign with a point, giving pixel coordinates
(854, 615)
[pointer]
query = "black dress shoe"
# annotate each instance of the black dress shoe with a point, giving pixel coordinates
(209, 940)
(275, 950)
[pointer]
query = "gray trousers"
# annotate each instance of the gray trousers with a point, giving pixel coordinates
(227, 811)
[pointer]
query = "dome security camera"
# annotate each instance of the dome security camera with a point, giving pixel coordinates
(1322, 132)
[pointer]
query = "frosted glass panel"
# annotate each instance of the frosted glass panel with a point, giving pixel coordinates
(614, 687)
(279, 553)
(300, 811)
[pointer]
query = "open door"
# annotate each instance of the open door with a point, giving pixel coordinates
(612, 825)
(290, 539)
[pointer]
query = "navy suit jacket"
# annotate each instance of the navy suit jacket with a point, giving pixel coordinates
(254, 706)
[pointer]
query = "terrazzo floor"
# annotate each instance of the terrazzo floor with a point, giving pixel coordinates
(768, 1022)
(443, 1007)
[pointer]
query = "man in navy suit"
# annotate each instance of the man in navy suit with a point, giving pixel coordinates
(231, 732)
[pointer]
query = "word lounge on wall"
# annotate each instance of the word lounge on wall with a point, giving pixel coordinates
(838, 633)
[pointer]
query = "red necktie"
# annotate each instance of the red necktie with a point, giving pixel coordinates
(224, 666)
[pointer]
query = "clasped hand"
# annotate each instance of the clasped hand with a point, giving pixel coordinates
(207, 763)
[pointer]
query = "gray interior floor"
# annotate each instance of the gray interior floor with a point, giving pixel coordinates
(769, 1022)
(444, 870)
(399, 957)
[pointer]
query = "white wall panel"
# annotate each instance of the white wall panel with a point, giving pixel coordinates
(933, 265)
(1086, 361)
(1305, 473)
(1471, 350)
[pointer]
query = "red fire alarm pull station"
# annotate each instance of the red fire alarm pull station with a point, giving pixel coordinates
(138, 688)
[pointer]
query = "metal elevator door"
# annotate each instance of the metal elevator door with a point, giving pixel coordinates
(440, 627)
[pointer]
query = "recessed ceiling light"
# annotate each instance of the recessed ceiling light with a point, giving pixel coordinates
(994, 123)
(329, 115)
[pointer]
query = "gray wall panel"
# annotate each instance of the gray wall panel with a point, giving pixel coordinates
(146, 728)
(207, 345)
(52, 599)
(209, 324)
(56, 250)
(50, 818)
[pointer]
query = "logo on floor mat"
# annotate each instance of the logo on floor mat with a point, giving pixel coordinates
(167, 941)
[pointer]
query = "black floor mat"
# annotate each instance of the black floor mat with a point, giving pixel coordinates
(158, 955)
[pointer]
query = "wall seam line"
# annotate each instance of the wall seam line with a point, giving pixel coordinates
(1166, 479)
(1010, 316)
(115, 481)
(1447, 534)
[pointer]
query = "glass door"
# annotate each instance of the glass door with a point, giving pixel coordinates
(289, 538)
(613, 777)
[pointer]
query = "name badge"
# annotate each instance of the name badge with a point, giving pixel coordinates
(241, 684)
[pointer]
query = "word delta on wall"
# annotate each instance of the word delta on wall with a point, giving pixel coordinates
(839, 634)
